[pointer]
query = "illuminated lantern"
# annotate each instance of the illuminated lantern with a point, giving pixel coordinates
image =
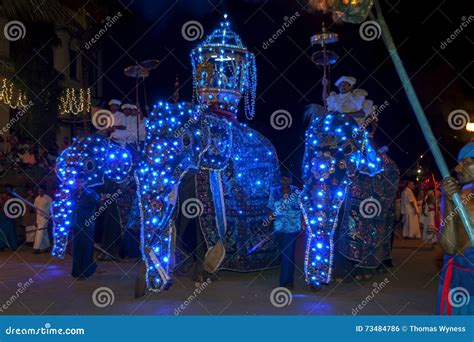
(349, 11)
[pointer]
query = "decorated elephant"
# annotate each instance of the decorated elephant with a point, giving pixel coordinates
(367, 223)
(335, 153)
(233, 168)
(95, 159)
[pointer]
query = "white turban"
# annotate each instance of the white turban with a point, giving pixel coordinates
(348, 79)
(127, 106)
(115, 102)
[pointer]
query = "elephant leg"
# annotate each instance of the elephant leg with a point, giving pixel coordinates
(322, 198)
(62, 213)
(155, 239)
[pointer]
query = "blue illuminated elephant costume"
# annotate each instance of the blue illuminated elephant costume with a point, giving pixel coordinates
(234, 166)
(336, 153)
(96, 159)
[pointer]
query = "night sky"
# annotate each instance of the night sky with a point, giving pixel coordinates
(289, 80)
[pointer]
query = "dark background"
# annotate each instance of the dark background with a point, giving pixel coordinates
(288, 79)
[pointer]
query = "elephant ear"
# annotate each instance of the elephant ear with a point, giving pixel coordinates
(85, 157)
(217, 142)
(118, 163)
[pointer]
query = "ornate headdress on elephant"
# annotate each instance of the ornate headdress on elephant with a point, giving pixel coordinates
(224, 71)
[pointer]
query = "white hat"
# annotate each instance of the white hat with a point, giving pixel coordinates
(348, 79)
(127, 106)
(133, 106)
(115, 102)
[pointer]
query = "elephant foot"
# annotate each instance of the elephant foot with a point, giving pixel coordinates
(214, 257)
(140, 281)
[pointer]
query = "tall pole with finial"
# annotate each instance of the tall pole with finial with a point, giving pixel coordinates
(324, 57)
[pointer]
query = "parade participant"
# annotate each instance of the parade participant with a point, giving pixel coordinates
(130, 248)
(111, 222)
(288, 222)
(350, 101)
(8, 238)
(118, 134)
(410, 213)
(456, 284)
(428, 216)
(42, 202)
(132, 128)
(86, 202)
(29, 219)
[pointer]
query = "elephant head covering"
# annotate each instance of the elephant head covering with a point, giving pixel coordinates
(224, 71)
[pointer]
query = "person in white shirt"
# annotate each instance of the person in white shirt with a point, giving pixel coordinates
(118, 134)
(42, 202)
(349, 100)
(410, 213)
(29, 158)
(132, 127)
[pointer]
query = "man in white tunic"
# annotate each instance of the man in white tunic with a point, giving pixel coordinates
(410, 213)
(349, 100)
(118, 134)
(127, 110)
(43, 203)
(132, 127)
